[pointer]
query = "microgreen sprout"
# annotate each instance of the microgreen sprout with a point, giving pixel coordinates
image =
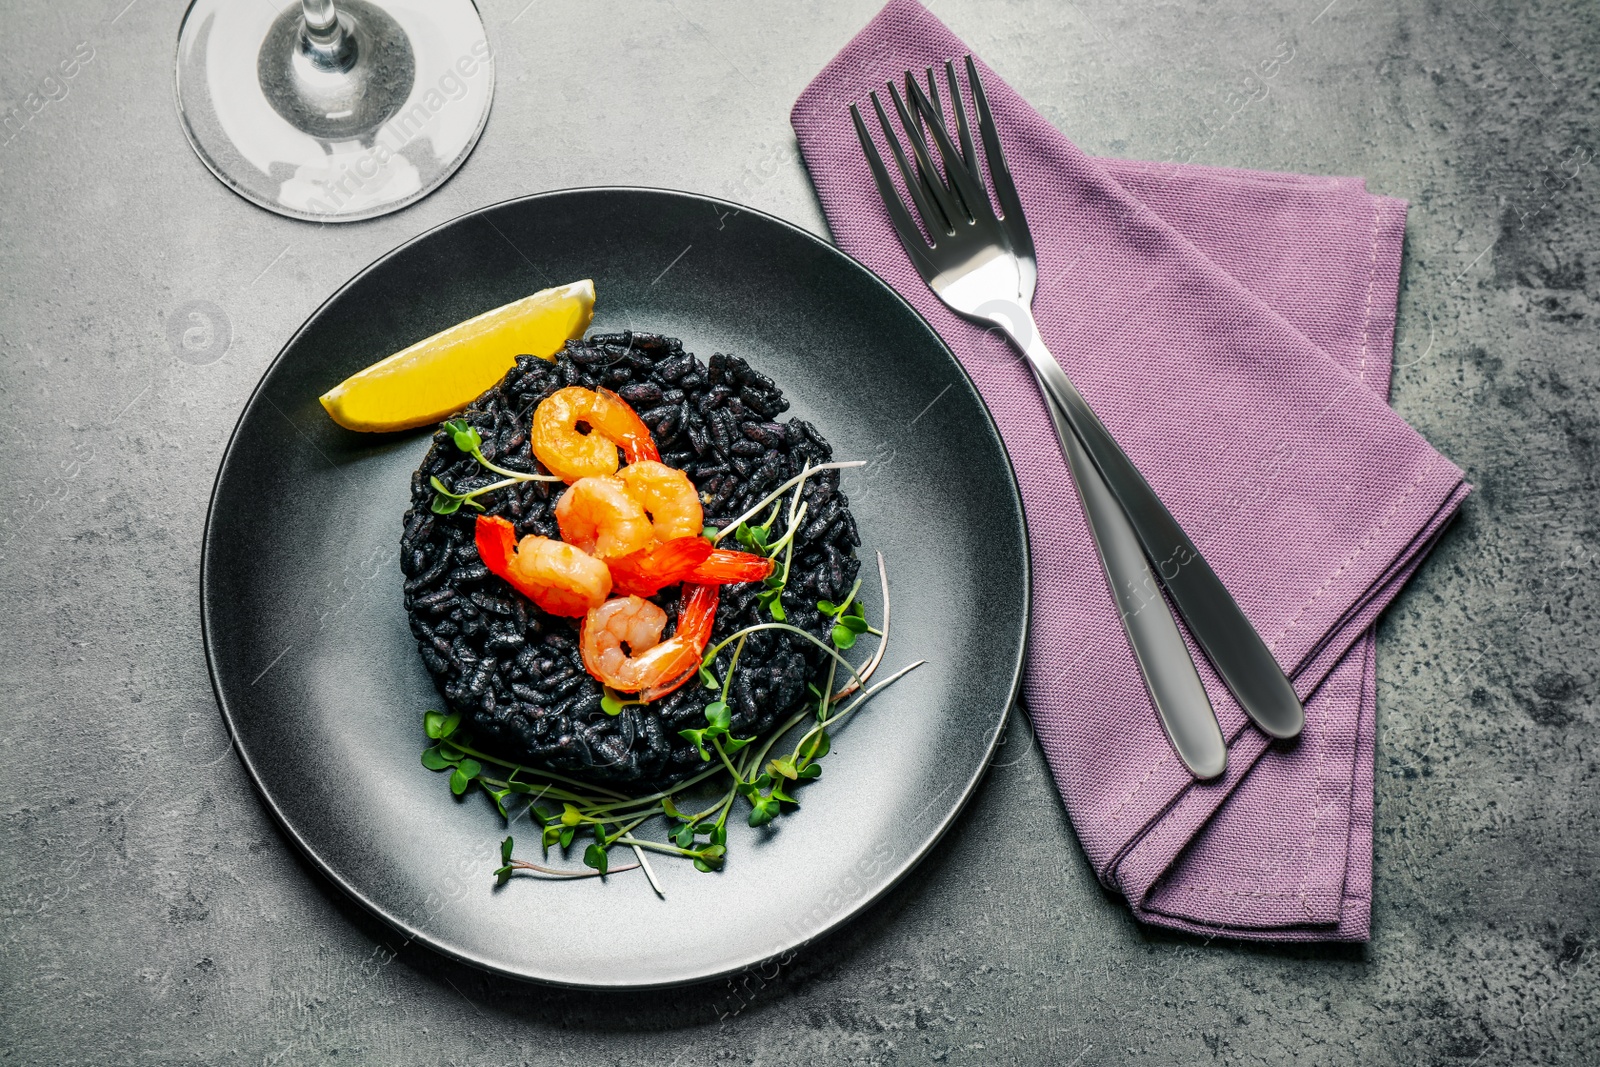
(759, 538)
(465, 436)
(849, 619)
(597, 819)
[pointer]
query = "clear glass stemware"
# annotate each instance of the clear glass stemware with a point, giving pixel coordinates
(333, 111)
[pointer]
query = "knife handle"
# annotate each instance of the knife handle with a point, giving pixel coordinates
(1180, 699)
(1220, 628)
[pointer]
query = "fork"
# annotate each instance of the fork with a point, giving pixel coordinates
(983, 266)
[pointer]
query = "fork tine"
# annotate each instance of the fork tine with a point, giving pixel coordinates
(940, 195)
(922, 122)
(932, 221)
(910, 236)
(968, 155)
(965, 184)
(917, 116)
(938, 115)
(1005, 190)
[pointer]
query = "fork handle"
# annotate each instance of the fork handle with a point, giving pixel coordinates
(1175, 689)
(1241, 658)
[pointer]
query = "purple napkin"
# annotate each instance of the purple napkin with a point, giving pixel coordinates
(1234, 330)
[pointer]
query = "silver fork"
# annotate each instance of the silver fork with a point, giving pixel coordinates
(983, 266)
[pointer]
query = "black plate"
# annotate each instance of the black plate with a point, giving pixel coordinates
(319, 678)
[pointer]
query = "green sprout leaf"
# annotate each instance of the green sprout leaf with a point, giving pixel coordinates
(465, 435)
(611, 704)
(459, 782)
(567, 834)
(470, 767)
(698, 738)
(595, 856)
(434, 760)
(669, 809)
(499, 796)
(854, 623)
(810, 771)
(710, 533)
(718, 716)
(843, 636)
(540, 814)
(570, 815)
(783, 767)
(816, 746)
(827, 607)
(447, 503)
(505, 850)
(433, 724)
(762, 811)
(503, 875)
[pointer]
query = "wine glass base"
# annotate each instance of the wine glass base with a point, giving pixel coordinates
(334, 138)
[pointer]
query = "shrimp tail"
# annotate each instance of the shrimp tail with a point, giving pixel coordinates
(496, 540)
(636, 442)
(696, 616)
(646, 573)
(726, 567)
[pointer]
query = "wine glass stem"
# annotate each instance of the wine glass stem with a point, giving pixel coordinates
(322, 23)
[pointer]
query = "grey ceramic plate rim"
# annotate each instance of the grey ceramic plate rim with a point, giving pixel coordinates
(414, 935)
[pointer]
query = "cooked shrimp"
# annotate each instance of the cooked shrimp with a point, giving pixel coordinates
(669, 496)
(600, 516)
(560, 578)
(571, 453)
(622, 647)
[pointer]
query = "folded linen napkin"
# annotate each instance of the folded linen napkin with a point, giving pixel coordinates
(1234, 331)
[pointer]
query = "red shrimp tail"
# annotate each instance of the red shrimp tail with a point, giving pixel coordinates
(696, 616)
(496, 540)
(637, 444)
(647, 572)
(726, 567)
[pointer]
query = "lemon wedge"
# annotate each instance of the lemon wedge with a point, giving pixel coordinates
(439, 376)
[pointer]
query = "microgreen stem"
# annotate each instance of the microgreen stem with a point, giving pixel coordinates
(716, 743)
(784, 488)
(552, 872)
(883, 641)
(732, 663)
(856, 703)
(656, 846)
(517, 768)
(711, 655)
(649, 873)
(511, 475)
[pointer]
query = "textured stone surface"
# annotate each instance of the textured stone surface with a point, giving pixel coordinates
(150, 912)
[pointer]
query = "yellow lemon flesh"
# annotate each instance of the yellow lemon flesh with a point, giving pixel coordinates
(439, 376)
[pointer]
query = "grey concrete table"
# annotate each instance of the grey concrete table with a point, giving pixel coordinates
(152, 913)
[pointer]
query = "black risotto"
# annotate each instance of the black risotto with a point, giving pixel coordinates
(513, 671)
